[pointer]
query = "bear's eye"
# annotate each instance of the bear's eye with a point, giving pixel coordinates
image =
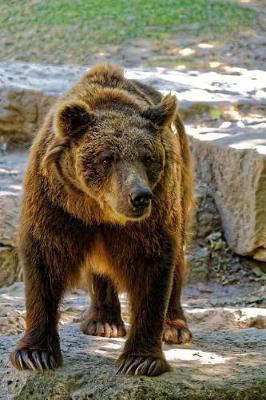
(108, 161)
(147, 161)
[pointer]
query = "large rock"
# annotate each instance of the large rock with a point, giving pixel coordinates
(26, 94)
(10, 266)
(232, 163)
(226, 359)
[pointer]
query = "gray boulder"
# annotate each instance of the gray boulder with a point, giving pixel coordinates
(232, 163)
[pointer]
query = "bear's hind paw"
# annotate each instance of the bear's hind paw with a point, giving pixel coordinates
(104, 329)
(173, 334)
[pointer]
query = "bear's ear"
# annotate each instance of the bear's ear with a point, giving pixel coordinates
(163, 113)
(73, 119)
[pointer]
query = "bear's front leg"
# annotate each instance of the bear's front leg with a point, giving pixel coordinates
(39, 349)
(149, 296)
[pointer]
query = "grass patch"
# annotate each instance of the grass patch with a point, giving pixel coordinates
(35, 29)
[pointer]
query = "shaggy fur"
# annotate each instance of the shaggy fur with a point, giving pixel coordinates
(84, 214)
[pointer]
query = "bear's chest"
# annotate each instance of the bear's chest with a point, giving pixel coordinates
(101, 261)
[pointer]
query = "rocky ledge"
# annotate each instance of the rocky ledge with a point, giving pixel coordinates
(226, 360)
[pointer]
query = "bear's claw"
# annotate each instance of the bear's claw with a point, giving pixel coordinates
(35, 360)
(142, 365)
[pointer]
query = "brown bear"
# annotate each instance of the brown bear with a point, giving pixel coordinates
(107, 197)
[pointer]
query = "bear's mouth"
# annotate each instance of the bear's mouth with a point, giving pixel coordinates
(139, 213)
(124, 214)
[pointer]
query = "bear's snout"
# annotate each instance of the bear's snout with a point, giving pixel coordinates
(140, 197)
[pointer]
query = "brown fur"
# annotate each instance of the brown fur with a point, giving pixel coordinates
(106, 138)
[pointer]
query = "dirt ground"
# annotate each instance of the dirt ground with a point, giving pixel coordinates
(196, 49)
(185, 52)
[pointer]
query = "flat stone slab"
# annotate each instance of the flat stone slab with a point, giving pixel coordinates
(28, 90)
(224, 361)
(193, 86)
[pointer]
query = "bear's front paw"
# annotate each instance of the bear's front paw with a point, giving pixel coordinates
(104, 329)
(176, 334)
(142, 365)
(35, 360)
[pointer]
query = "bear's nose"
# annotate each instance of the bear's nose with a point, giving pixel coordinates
(140, 197)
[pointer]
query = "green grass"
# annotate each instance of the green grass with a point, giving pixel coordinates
(37, 29)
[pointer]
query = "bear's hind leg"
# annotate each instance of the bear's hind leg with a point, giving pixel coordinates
(103, 318)
(176, 329)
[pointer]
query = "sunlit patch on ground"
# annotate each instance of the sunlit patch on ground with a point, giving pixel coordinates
(199, 356)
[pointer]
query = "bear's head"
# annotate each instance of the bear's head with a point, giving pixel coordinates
(114, 153)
